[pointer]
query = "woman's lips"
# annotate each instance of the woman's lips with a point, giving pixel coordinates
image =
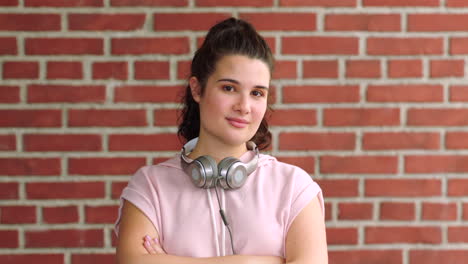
(237, 122)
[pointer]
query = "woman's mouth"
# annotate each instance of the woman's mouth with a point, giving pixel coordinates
(237, 122)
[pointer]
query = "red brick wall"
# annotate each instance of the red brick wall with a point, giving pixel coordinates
(371, 99)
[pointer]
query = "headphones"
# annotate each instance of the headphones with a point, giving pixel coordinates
(231, 173)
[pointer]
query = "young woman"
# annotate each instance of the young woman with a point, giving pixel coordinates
(178, 211)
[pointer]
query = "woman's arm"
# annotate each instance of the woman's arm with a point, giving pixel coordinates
(306, 241)
(134, 226)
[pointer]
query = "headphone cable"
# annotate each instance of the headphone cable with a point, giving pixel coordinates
(223, 216)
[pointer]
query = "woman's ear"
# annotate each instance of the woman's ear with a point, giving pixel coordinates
(195, 88)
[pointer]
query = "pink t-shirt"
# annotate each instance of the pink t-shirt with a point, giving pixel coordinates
(259, 213)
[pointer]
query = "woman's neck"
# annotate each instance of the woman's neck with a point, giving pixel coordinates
(217, 150)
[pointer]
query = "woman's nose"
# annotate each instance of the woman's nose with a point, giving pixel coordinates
(242, 105)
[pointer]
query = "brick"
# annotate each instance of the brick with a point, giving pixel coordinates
(7, 142)
(66, 93)
(457, 187)
(342, 236)
(63, 3)
(439, 211)
(66, 238)
(65, 190)
(140, 46)
(320, 45)
(9, 94)
(321, 3)
(106, 22)
(17, 214)
(458, 46)
(30, 166)
(104, 166)
(9, 190)
(363, 69)
(64, 46)
(316, 141)
(459, 93)
(355, 211)
(447, 68)
(101, 214)
(359, 164)
(147, 93)
(437, 117)
(293, 117)
(21, 70)
(404, 46)
(305, 163)
(149, 2)
(8, 46)
(392, 235)
(110, 70)
(152, 70)
(362, 117)
(281, 21)
(29, 22)
(117, 188)
(8, 2)
(21, 258)
(320, 69)
(60, 214)
(238, 3)
(328, 211)
(166, 117)
(106, 118)
(142, 142)
(456, 3)
(339, 187)
(437, 22)
(397, 211)
(183, 70)
(401, 3)
(456, 140)
(285, 70)
(9, 239)
(400, 140)
(405, 68)
(62, 142)
(64, 70)
(403, 187)
(93, 258)
(362, 22)
(465, 211)
(436, 164)
(30, 118)
(321, 94)
(187, 21)
(381, 256)
(436, 256)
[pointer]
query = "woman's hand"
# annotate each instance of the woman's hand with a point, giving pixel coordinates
(153, 246)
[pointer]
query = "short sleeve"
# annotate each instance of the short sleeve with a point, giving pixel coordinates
(305, 190)
(141, 193)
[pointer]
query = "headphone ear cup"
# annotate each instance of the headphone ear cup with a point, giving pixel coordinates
(203, 171)
(232, 173)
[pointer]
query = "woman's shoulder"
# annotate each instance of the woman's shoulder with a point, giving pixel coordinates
(279, 166)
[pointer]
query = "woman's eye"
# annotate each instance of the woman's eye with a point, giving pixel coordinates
(257, 93)
(228, 88)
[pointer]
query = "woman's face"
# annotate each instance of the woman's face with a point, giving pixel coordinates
(234, 100)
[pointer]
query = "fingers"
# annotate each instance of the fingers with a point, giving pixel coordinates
(153, 246)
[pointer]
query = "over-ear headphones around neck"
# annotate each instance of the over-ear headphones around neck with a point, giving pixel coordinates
(231, 173)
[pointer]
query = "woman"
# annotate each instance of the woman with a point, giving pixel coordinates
(272, 211)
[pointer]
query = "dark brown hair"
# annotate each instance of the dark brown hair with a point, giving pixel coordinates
(229, 37)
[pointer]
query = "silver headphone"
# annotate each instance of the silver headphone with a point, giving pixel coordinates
(231, 173)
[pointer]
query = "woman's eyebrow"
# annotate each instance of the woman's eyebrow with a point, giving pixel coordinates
(237, 82)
